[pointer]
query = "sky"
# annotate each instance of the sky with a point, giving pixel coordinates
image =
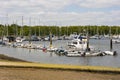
(60, 12)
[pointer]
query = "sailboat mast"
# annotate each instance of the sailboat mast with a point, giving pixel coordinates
(29, 30)
(22, 27)
(34, 22)
(16, 35)
(39, 27)
(7, 23)
(1, 31)
(117, 32)
(98, 32)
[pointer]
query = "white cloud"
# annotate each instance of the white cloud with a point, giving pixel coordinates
(74, 18)
(29, 6)
(50, 12)
(46, 5)
(99, 3)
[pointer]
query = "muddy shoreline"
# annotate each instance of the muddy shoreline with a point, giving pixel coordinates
(7, 58)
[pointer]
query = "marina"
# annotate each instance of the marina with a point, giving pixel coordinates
(44, 39)
(38, 55)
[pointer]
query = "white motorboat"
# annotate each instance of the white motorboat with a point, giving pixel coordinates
(75, 53)
(95, 37)
(84, 53)
(112, 53)
(80, 44)
(116, 40)
(54, 38)
(19, 40)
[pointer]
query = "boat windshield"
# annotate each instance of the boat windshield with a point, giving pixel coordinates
(80, 42)
(74, 42)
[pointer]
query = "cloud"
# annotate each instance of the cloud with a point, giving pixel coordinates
(99, 3)
(32, 6)
(87, 18)
(69, 18)
(51, 12)
(44, 5)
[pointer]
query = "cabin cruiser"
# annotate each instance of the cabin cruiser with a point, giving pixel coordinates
(54, 38)
(34, 38)
(19, 40)
(73, 36)
(96, 37)
(5, 40)
(78, 43)
(116, 40)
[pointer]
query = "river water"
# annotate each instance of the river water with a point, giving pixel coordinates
(46, 57)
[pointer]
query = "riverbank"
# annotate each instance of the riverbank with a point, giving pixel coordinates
(12, 70)
(7, 58)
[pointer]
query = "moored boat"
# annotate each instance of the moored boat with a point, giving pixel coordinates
(112, 53)
(116, 40)
(75, 53)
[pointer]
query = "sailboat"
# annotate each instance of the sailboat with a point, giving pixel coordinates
(19, 38)
(5, 40)
(30, 45)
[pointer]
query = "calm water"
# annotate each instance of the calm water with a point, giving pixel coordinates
(39, 56)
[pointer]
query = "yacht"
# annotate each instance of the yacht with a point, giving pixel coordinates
(78, 43)
(19, 40)
(116, 40)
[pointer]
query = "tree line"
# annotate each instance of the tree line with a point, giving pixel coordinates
(17, 30)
